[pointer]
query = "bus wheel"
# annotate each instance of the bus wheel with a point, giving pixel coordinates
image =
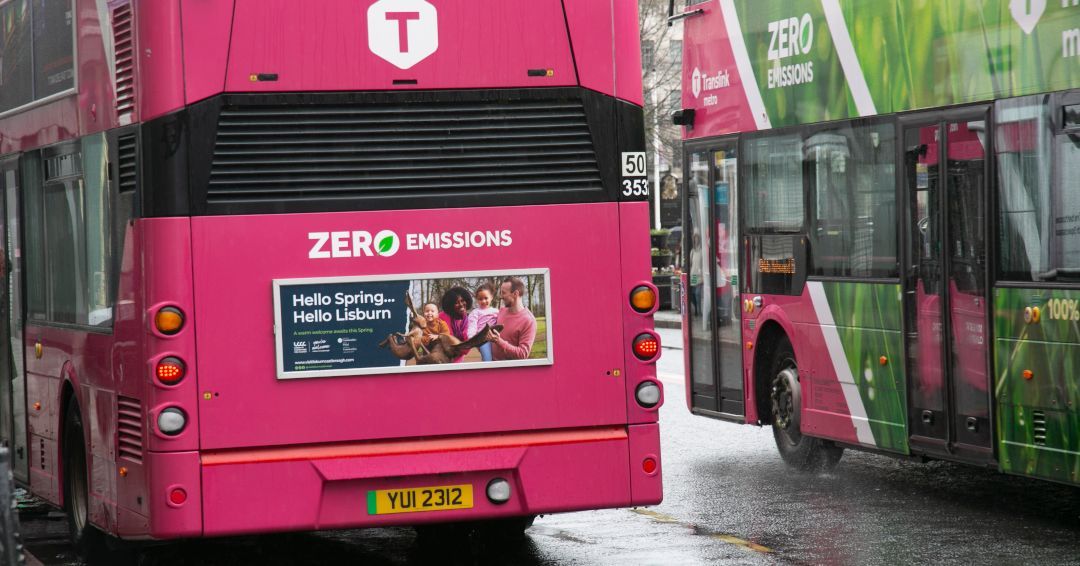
(86, 539)
(506, 530)
(803, 453)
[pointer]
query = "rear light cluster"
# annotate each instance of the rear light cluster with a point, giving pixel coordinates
(170, 371)
(646, 348)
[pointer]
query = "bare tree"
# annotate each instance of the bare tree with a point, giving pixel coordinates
(661, 61)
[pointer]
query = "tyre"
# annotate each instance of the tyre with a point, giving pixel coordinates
(10, 547)
(87, 540)
(506, 530)
(804, 453)
(474, 535)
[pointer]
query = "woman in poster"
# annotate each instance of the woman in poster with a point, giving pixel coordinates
(456, 304)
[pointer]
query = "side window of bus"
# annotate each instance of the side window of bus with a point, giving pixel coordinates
(98, 234)
(774, 183)
(853, 214)
(68, 240)
(1067, 197)
(1037, 164)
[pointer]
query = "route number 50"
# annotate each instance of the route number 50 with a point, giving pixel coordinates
(633, 164)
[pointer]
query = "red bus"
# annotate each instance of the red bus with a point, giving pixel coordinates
(282, 265)
(883, 228)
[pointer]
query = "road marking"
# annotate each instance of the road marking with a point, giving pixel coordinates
(730, 539)
(743, 543)
(658, 517)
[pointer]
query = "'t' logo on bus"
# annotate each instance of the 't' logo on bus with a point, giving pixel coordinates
(404, 32)
(1027, 13)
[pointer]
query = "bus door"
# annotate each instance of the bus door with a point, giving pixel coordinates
(947, 335)
(710, 261)
(12, 378)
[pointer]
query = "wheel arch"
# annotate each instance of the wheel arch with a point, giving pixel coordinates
(68, 396)
(771, 332)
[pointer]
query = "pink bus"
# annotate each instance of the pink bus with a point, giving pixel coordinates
(882, 225)
(275, 265)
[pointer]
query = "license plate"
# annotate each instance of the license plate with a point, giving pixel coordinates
(437, 498)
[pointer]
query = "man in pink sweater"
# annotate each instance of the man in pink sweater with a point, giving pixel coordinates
(519, 325)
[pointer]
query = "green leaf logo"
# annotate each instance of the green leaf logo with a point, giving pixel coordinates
(387, 243)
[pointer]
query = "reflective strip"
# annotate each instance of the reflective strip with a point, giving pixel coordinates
(856, 81)
(742, 62)
(840, 364)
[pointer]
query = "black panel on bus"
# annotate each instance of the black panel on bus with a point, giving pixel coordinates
(315, 152)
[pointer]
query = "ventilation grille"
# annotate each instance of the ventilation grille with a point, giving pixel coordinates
(124, 48)
(129, 428)
(128, 161)
(395, 149)
(1038, 427)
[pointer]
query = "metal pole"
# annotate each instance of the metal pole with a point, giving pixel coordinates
(656, 157)
(10, 548)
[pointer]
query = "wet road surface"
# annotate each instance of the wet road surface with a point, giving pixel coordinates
(728, 499)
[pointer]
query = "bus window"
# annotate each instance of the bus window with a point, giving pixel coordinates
(1024, 153)
(853, 230)
(697, 264)
(1067, 205)
(68, 235)
(774, 191)
(98, 230)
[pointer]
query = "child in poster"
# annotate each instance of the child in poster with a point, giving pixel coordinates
(483, 315)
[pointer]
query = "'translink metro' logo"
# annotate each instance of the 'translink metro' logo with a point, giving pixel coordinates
(386, 243)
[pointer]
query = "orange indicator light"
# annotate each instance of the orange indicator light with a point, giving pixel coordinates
(1036, 314)
(749, 345)
(642, 299)
(883, 360)
(169, 320)
(1028, 374)
(123, 472)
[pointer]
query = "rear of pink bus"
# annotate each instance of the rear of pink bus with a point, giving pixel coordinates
(310, 174)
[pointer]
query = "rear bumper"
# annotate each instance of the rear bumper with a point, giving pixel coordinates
(311, 488)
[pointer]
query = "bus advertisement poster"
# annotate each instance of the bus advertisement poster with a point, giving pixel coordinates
(341, 326)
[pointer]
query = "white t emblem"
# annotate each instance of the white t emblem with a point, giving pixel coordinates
(1027, 13)
(404, 32)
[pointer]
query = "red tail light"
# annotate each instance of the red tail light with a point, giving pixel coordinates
(177, 496)
(171, 370)
(646, 346)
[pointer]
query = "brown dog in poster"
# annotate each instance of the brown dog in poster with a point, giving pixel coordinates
(405, 346)
(446, 347)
